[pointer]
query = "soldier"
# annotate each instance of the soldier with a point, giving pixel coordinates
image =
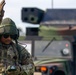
(9, 56)
(14, 58)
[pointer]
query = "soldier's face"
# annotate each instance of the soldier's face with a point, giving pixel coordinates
(6, 39)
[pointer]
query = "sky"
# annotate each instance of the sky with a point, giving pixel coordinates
(13, 8)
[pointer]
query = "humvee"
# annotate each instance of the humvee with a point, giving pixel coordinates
(54, 42)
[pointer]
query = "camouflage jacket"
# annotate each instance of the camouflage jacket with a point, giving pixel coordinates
(9, 55)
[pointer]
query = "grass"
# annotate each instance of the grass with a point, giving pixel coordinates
(21, 38)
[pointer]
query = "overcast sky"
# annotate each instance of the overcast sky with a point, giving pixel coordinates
(13, 8)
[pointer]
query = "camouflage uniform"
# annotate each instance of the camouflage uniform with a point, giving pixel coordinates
(14, 55)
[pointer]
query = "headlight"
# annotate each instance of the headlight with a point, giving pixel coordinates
(65, 51)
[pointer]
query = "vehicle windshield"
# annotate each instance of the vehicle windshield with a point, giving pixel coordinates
(53, 50)
(55, 39)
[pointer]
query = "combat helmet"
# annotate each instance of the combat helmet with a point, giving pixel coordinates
(9, 27)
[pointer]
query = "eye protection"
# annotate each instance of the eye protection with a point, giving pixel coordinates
(8, 35)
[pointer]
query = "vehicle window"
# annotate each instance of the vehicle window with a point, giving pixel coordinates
(53, 50)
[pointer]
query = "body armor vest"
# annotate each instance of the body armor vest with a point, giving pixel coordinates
(8, 56)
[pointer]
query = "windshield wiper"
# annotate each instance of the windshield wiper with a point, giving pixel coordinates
(49, 44)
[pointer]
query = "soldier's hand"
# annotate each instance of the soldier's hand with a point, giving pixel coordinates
(1, 7)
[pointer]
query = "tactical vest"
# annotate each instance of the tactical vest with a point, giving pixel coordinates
(8, 56)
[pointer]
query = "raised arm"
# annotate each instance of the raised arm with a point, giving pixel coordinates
(1, 9)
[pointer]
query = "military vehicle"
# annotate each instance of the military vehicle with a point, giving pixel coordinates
(54, 41)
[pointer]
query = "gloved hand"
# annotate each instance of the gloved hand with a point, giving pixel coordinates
(1, 8)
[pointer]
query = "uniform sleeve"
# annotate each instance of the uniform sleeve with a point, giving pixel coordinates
(27, 62)
(1, 15)
(2, 4)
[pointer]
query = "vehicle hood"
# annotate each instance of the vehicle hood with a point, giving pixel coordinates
(48, 60)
